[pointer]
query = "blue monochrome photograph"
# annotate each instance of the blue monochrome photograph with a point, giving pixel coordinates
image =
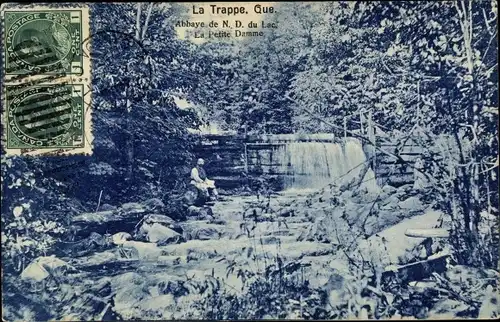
(328, 160)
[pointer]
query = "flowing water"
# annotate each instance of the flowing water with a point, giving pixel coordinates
(317, 164)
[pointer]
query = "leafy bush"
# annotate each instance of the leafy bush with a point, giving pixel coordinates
(278, 292)
(35, 213)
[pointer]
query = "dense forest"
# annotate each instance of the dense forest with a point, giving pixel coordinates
(423, 71)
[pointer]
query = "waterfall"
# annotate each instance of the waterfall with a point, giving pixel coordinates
(317, 164)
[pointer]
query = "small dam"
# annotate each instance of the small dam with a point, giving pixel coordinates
(301, 161)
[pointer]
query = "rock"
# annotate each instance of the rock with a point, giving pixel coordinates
(253, 213)
(93, 243)
(411, 203)
(22, 307)
(417, 270)
(45, 266)
(286, 212)
(120, 238)
(107, 207)
(389, 189)
(154, 204)
(143, 250)
(127, 279)
(89, 303)
(346, 195)
(173, 287)
(317, 232)
(335, 288)
(172, 260)
(461, 274)
(200, 212)
(132, 206)
(160, 219)
(94, 259)
(207, 233)
(489, 307)
(163, 220)
(111, 221)
(372, 225)
(217, 221)
(130, 289)
(447, 308)
(158, 233)
(201, 230)
(404, 189)
(162, 303)
(389, 203)
(422, 286)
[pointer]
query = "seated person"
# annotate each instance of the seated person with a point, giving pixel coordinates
(199, 180)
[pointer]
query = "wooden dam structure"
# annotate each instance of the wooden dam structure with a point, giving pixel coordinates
(236, 160)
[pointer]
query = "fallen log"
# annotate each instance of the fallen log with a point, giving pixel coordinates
(107, 222)
(427, 232)
(93, 243)
(125, 218)
(416, 271)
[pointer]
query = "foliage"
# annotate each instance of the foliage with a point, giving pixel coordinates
(278, 292)
(141, 144)
(426, 70)
(142, 131)
(31, 222)
(252, 76)
(453, 61)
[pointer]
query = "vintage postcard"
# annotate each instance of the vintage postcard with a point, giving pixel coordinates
(332, 160)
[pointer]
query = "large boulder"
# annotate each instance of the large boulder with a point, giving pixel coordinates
(142, 250)
(154, 204)
(388, 189)
(158, 233)
(46, 266)
(163, 220)
(107, 207)
(120, 238)
(130, 288)
(160, 219)
(200, 213)
(132, 207)
(391, 202)
(412, 203)
(95, 242)
(122, 219)
(87, 302)
(201, 230)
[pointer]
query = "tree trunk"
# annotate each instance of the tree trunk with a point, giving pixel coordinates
(130, 143)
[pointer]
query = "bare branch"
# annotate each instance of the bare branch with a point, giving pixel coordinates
(487, 23)
(150, 8)
(138, 21)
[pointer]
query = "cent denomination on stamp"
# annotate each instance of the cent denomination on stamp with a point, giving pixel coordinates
(38, 39)
(46, 80)
(45, 116)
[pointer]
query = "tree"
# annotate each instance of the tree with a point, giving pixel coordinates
(245, 81)
(143, 132)
(428, 70)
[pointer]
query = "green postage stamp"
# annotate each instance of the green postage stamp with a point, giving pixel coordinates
(46, 80)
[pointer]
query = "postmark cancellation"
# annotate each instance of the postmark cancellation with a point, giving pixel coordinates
(46, 86)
